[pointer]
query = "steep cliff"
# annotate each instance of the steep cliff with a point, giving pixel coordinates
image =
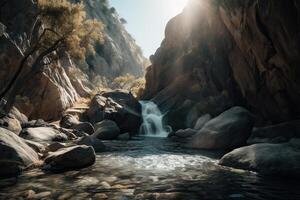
(60, 83)
(119, 55)
(47, 93)
(217, 54)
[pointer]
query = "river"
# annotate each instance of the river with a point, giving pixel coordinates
(152, 168)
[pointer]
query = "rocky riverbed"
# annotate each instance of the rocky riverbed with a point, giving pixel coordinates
(100, 155)
(150, 168)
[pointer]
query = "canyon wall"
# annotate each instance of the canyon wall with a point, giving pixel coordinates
(217, 54)
(59, 84)
(119, 55)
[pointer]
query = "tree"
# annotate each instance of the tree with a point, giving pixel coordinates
(112, 10)
(129, 82)
(123, 21)
(104, 2)
(64, 28)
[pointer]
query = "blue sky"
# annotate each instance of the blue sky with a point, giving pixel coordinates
(147, 19)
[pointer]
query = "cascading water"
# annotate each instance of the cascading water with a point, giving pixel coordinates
(152, 120)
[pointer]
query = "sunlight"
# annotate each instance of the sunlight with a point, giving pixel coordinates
(174, 7)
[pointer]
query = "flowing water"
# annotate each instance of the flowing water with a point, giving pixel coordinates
(151, 168)
(152, 120)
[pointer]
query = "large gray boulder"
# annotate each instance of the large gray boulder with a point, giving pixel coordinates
(43, 134)
(15, 113)
(70, 158)
(11, 124)
(13, 120)
(183, 133)
(119, 106)
(53, 147)
(15, 154)
(93, 142)
(106, 130)
(275, 159)
(202, 121)
(279, 133)
(229, 130)
(71, 122)
(38, 147)
(36, 123)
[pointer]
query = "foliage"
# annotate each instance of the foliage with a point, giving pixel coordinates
(129, 82)
(112, 10)
(104, 2)
(101, 85)
(138, 87)
(123, 21)
(64, 28)
(67, 22)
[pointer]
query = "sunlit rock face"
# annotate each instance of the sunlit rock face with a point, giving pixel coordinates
(47, 93)
(216, 55)
(57, 87)
(119, 55)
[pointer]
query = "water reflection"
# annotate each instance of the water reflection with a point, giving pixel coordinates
(152, 169)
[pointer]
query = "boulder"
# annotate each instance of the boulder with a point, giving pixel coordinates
(229, 130)
(271, 159)
(202, 121)
(72, 133)
(55, 147)
(15, 113)
(38, 147)
(185, 133)
(36, 123)
(15, 154)
(117, 106)
(106, 130)
(43, 134)
(279, 133)
(71, 122)
(191, 116)
(70, 158)
(93, 142)
(96, 110)
(11, 123)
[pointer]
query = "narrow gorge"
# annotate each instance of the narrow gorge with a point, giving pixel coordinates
(213, 113)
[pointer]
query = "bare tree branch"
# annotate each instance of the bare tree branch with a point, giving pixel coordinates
(27, 55)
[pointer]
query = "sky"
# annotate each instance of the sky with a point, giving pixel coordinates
(147, 19)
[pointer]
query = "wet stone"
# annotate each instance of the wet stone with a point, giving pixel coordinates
(65, 196)
(100, 196)
(105, 185)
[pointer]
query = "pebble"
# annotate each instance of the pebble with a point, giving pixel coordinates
(100, 196)
(65, 196)
(236, 196)
(41, 195)
(105, 185)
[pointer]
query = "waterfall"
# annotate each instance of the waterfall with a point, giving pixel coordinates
(153, 120)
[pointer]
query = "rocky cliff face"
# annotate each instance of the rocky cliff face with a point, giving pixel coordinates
(119, 55)
(217, 54)
(49, 92)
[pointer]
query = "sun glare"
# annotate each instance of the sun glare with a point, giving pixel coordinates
(175, 6)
